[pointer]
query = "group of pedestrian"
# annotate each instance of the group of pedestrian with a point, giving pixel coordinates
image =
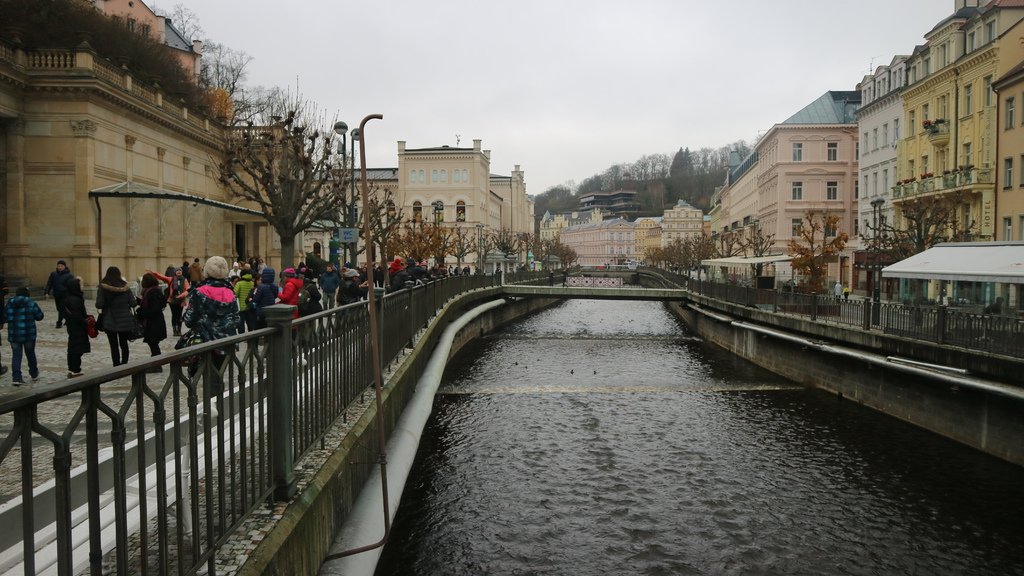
(213, 300)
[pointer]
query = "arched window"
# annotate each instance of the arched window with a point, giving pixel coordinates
(457, 176)
(460, 211)
(444, 176)
(433, 176)
(391, 210)
(423, 177)
(417, 211)
(412, 176)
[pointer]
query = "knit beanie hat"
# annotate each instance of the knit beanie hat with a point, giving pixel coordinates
(216, 267)
(288, 272)
(268, 275)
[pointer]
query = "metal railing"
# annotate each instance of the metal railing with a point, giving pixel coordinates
(998, 334)
(133, 471)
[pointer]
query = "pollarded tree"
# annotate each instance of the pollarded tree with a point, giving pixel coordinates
(386, 223)
(464, 243)
(285, 170)
(818, 242)
(924, 222)
(756, 245)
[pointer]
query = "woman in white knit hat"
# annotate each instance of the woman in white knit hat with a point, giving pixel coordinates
(213, 311)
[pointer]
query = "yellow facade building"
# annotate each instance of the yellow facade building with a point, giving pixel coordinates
(949, 146)
(1010, 139)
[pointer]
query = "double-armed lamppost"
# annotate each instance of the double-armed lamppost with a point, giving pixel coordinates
(351, 218)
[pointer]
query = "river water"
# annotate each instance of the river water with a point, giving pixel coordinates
(601, 438)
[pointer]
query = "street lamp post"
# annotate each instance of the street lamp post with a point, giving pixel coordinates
(480, 249)
(876, 274)
(341, 129)
(353, 213)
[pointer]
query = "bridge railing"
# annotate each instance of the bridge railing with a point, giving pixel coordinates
(1000, 334)
(135, 470)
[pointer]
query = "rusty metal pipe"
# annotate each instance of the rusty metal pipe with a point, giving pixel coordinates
(378, 377)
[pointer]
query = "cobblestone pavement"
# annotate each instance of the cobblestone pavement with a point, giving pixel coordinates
(52, 345)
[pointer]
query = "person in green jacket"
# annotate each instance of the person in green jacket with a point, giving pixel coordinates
(243, 288)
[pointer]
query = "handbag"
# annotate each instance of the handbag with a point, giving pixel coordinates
(90, 326)
(138, 328)
(187, 339)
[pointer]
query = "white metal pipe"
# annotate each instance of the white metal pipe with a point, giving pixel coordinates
(365, 523)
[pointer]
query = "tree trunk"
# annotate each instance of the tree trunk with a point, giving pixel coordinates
(287, 250)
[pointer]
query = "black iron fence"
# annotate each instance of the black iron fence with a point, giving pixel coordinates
(136, 470)
(994, 333)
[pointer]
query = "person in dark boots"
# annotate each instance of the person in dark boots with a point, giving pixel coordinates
(76, 320)
(57, 285)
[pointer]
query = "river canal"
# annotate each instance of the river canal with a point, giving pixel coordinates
(601, 438)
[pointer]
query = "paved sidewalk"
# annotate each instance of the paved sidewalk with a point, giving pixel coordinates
(52, 346)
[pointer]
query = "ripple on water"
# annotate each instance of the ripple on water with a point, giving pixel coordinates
(676, 458)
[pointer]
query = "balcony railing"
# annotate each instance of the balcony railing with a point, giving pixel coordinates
(943, 182)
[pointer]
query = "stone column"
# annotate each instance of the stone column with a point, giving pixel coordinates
(161, 208)
(131, 224)
(86, 251)
(15, 249)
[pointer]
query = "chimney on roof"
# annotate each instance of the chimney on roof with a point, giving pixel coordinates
(401, 146)
(476, 144)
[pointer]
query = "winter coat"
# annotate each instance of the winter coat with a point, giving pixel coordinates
(76, 323)
(116, 305)
(151, 312)
(57, 283)
(399, 279)
(290, 294)
(20, 315)
(264, 295)
(350, 292)
(243, 287)
(329, 282)
(212, 310)
(312, 305)
(195, 272)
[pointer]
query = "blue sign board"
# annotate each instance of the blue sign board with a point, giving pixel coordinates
(348, 235)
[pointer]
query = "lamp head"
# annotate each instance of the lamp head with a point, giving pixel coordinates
(340, 128)
(355, 134)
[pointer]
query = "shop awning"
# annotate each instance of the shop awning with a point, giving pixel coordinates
(1001, 262)
(740, 261)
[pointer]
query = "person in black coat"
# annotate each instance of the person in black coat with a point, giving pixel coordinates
(76, 321)
(151, 314)
(117, 318)
(56, 284)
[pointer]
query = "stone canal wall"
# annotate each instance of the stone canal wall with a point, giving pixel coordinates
(304, 529)
(980, 405)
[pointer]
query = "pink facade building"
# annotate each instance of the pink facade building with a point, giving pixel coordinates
(601, 243)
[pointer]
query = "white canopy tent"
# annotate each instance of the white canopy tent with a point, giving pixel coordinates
(1001, 262)
(963, 273)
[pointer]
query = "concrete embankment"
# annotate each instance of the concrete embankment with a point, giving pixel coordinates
(969, 397)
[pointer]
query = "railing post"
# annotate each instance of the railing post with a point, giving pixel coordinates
(775, 301)
(282, 454)
(940, 324)
(869, 306)
(814, 307)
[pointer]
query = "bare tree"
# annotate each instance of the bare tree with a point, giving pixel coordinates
(812, 249)
(758, 244)
(464, 243)
(386, 223)
(925, 222)
(285, 170)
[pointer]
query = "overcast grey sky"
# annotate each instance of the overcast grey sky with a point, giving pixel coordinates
(564, 88)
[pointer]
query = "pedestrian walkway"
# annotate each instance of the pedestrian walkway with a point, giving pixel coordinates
(52, 347)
